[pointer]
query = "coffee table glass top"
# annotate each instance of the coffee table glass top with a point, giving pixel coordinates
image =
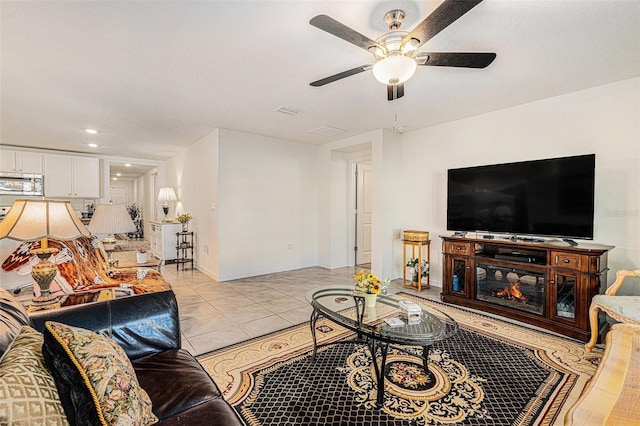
(127, 259)
(338, 304)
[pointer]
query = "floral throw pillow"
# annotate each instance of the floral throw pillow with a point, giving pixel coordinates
(94, 377)
(28, 394)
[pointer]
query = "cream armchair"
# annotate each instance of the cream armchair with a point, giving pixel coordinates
(625, 309)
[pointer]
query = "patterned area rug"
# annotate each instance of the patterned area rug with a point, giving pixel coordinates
(491, 373)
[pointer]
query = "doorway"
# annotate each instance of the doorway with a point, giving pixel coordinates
(132, 185)
(363, 213)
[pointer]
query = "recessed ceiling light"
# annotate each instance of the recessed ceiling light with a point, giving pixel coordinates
(127, 165)
(118, 174)
(114, 178)
(93, 145)
(91, 131)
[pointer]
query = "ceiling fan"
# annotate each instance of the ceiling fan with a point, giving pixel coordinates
(396, 51)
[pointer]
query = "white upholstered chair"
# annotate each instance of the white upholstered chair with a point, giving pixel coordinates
(625, 309)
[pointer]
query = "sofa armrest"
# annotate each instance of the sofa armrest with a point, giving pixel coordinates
(142, 324)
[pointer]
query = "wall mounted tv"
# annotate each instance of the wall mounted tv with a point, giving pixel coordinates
(551, 197)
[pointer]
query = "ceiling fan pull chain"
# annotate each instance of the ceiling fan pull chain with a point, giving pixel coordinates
(395, 114)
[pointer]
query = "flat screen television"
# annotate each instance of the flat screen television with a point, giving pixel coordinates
(551, 197)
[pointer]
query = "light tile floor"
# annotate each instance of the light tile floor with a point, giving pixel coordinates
(217, 314)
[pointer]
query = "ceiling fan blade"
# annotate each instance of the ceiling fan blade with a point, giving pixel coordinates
(439, 19)
(455, 59)
(341, 75)
(340, 30)
(395, 91)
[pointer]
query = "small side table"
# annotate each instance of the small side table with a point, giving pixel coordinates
(184, 249)
(127, 259)
(416, 246)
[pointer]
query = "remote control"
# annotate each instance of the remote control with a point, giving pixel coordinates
(394, 322)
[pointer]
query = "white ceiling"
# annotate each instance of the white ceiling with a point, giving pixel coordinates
(154, 77)
(127, 171)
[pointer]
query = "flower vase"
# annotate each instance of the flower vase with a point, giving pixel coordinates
(141, 257)
(185, 226)
(413, 273)
(371, 314)
(370, 300)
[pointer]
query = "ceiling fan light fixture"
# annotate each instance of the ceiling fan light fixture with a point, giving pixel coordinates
(394, 69)
(410, 46)
(377, 51)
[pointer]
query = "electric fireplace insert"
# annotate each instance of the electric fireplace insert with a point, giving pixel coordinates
(516, 288)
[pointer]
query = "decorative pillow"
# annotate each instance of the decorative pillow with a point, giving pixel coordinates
(28, 393)
(12, 317)
(95, 379)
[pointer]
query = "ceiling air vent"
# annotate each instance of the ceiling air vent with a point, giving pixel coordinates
(289, 110)
(327, 131)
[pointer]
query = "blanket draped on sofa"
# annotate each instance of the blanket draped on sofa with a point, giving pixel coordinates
(82, 267)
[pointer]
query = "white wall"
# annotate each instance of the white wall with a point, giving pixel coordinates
(254, 203)
(194, 175)
(389, 205)
(340, 212)
(267, 205)
(604, 120)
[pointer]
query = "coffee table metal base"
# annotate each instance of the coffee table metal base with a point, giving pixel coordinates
(374, 345)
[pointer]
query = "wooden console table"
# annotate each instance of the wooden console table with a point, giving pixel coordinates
(571, 276)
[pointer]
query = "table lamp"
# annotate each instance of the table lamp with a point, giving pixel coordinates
(32, 220)
(111, 219)
(165, 195)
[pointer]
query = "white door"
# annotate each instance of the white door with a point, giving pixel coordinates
(363, 214)
(118, 195)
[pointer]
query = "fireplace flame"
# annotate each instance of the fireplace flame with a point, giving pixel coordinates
(513, 292)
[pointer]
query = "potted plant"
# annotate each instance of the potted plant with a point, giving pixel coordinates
(184, 219)
(412, 265)
(141, 255)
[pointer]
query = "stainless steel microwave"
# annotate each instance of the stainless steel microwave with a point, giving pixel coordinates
(21, 184)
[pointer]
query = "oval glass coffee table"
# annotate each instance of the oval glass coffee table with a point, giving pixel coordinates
(343, 306)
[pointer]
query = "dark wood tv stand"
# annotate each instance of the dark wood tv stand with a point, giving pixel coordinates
(547, 284)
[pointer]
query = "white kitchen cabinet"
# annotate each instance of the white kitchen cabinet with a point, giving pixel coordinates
(20, 161)
(68, 176)
(163, 239)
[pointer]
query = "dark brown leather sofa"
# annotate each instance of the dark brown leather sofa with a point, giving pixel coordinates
(148, 329)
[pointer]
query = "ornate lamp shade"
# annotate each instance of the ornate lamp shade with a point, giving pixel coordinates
(165, 195)
(32, 220)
